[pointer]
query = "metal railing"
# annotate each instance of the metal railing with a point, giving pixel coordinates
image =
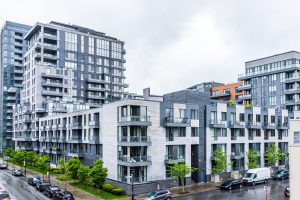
(135, 158)
(184, 120)
(135, 119)
(134, 139)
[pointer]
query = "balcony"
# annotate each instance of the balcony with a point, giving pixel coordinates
(52, 75)
(213, 123)
(26, 148)
(292, 102)
(244, 87)
(94, 80)
(244, 96)
(75, 139)
(176, 122)
(284, 125)
(292, 90)
(50, 36)
(254, 125)
(268, 71)
(48, 128)
(54, 126)
(22, 138)
(135, 161)
(236, 124)
(237, 155)
(224, 94)
(11, 98)
(135, 121)
(75, 125)
(292, 79)
(50, 56)
(94, 124)
(62, 126)
(93, 88)
(94, 140)
(56, 150)
(47, 150)
(52, 84)
(52, 93)
(267, 125)
(170, 159)
(94, 96)
(134, 141)
(62, 139)
(75, 153)
(48, 139)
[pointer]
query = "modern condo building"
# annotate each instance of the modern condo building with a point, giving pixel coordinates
(12, 49)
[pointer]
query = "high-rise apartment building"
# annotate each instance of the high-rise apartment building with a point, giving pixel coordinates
(66, 68)
(226, 92)
(272, 81)
(12, 49)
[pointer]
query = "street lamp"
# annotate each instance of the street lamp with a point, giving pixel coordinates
(131, 178)
(25, 167)
(48, 171)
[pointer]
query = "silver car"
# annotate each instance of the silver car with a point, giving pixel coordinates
(158, 195)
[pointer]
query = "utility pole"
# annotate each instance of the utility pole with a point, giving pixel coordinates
(132, 194)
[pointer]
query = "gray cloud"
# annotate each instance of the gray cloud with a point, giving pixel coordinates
(174, 44)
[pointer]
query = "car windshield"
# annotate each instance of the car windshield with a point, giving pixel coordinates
(279, 172)
(227, 182)
(248, 175)
(150, 194)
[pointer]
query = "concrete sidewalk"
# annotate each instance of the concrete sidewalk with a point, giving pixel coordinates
(190, 189)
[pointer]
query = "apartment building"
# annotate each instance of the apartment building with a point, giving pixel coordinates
(294, 151)
(141, 138)
(272, 81)
(226, 92)
(12, 49)
(68, 67)
(236, 129)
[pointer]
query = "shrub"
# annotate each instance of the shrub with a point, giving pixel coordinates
(118, 191)
(248, 106)
(56, 171)
(108, 187)
(63, 177)
(231, 103)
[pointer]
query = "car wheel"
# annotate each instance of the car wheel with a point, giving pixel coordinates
(240, 185)
(230, 188)
(253, 183)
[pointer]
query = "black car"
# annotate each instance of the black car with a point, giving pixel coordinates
(281, 174)
(4, 195)
(40, 186)
(50, 191)
(32, 181)
(63, 196)
(231, 184)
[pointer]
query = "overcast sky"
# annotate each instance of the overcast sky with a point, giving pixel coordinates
(174, 44)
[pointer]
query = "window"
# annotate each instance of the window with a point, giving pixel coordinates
(182, 113)
(296, 138)
(194, 131)
(272, 101)
(215, 93)
(257, 118)
(194, 114)
(181, 132)
(242, 117)
(223, 116)
(272, 119)
(169, 112)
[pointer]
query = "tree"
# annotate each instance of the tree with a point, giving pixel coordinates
(179, 171)
(19, 157)
(252, 158)
(98, 173)
(42, 164)
(29, 157)
(72, 167)
(83, 174)
(273, 155)
(220, 160)
(62, 164)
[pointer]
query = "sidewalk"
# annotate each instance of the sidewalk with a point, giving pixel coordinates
(190, 189)
(78, 194)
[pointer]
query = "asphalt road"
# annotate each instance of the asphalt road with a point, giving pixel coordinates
(18, 188)
(275, 192)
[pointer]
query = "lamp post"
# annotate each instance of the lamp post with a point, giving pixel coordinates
(25, 167)
(49, 171)
(130, 178)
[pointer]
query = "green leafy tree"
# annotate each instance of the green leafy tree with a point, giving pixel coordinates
(9, 152)
(42, 164)
(83, 174)
(180, 171)
(98, 173)
(273, 155)
(29, 157)
(252, 158)
(72, 168)
(19, 157)
(62, 164)
(36, 157)
(220, 160)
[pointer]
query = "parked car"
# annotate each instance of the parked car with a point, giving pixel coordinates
(40, 186)
(17, 172)
(3, 166)
(4, 195)
(63, 196)
(231, 184)
(50, 191)
(257, 175)
(32, 181)
(281, 174)
(160, 194)
(287, 191)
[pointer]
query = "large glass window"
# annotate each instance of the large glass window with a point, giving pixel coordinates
(194, 114)
(70, 41)
(296, 138)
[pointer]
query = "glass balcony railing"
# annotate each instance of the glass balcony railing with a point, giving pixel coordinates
(133, 139)
(135, 159)
(135, 119)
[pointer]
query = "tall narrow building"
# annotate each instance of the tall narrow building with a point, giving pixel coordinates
(12, 49)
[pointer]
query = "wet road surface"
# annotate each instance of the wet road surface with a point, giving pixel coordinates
(18, 188)
(275, 192)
